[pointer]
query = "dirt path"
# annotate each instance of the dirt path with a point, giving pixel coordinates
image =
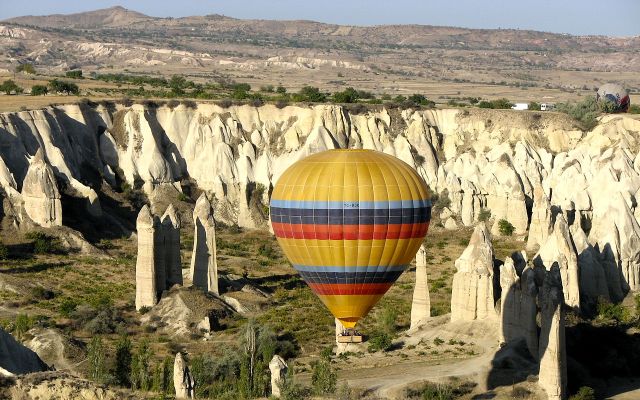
(391, 380)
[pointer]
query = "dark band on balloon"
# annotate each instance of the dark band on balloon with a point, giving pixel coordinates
(349, 216)
(350, 277)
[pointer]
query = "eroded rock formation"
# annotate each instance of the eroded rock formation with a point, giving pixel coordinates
(158, 265)
(182, 379)
(559, 250)
(472, 294)
(553, 354)
(278, 368)
(40, 193)
(518, 307)
(171, 235)
(421, 304)
(17, 359)
(204, 267)
(146, 287)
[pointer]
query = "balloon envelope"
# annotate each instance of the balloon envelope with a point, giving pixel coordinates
(350, 222)
(615, 94)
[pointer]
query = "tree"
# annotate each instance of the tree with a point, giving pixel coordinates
(22, 324)
(96, 356)
(349, 95)
(281, 90)
(534, 106)
(27, 68)
(140, 378)
(323, 378)
(310, 93)
(74, 74)
(122, 371)
(39, 90)
(178, 83)
(505, 227)
(64, 87)
(163, 377)
(9, 87)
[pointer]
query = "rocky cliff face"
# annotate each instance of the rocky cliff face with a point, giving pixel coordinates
(524, 167)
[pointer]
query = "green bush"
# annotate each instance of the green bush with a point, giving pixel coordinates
(534, 106)
(311, 94)
(584, 393)
(496, 104)
(634, 109)
(584, 112)
(519, 392)
(613, 312)
(27, 68)
(57, 86)
(39, 90)
(9, 87)
(74, 74)
(44, 244)
(505, 227)
(4, 251)
(67, 306)
(484, 215)
(183, 197)
(440, 391)
(323, 378)
(379, 340)
(21, 325)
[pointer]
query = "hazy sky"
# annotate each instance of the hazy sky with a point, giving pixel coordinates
(604, 17)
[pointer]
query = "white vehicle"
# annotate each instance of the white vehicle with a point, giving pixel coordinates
(547, 106)
(520, 106)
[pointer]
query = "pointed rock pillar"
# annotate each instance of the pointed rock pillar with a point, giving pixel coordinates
(472, 294)
(421, 304)
(553, 353)
(171, 231)
(182, 379)
(40, 193)
(559, 249)
(518, 307)
(541, 220)
(278, 368)
(146, 287)
(204, 268)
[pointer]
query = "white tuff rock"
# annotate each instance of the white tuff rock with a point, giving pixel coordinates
(421, 304)
(553, 354)
(182, 379)
(472, 294)
(559, 250)
(204, 267)
(518, 309)
(146, 286)
(278, 369)
(40, 193)
(171, 234)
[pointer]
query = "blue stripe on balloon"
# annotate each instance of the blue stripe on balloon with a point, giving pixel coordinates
(361, 268)
(350, 278)
(339, 205)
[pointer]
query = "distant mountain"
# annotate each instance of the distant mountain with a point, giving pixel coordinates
(108, 17)
(117, 39)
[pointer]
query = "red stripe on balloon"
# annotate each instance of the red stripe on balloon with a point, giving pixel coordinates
(349, 288)
(349, 232)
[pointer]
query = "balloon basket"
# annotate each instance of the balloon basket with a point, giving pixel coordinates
(349, 336)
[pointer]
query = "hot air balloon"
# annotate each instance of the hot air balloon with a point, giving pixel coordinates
(615, 94)
(350, 222)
